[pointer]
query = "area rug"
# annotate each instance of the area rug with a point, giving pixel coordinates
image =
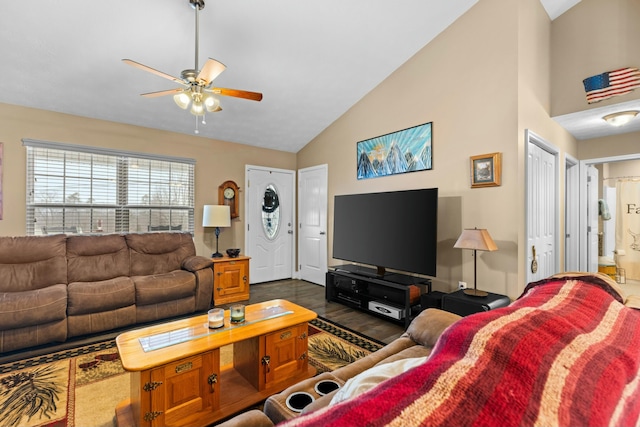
(82, 386)
(332, 346)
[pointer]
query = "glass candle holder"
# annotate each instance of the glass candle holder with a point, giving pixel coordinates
(216, 318)
(237, 313)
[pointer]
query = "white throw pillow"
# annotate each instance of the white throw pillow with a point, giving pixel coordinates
(374, 376)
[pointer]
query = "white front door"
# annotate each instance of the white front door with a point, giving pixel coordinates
(312, 220)
(270, 233)
(542, 210)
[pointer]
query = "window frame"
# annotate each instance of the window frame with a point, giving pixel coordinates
(158, 195)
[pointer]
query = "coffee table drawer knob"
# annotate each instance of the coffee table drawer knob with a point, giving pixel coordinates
(212, 380)
(265, 361)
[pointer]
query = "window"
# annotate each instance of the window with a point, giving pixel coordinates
(78, 189)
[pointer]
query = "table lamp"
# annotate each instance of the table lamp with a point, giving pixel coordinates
(478, 240)
(216, 216)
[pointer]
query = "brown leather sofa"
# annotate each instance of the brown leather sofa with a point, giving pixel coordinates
(417, 341)
(56, 287)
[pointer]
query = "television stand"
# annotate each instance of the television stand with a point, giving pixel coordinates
(390, 297)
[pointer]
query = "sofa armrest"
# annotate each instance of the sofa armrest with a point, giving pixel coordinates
(319, 403)
(427, 327)
(196, 262)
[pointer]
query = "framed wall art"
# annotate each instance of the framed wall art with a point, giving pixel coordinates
(407, 150)
(486, 170)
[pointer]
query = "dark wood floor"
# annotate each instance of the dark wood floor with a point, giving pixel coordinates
(311, 296)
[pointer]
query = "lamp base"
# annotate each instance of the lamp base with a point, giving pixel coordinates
(217, 255)
(475, 293)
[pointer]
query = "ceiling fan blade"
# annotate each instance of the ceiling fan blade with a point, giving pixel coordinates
(162, 93)
(254, 96)
(211, 70)
(154, 71)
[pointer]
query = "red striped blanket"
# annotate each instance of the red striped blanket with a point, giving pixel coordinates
(566, 353)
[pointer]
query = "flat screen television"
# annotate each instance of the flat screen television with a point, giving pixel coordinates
(395, 230)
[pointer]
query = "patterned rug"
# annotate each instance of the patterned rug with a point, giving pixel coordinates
(82, 386)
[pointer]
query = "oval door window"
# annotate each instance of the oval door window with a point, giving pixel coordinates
(270, 212)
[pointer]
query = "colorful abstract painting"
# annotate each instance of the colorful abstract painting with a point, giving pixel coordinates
(407, 150)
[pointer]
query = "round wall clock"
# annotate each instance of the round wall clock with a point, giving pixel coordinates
(228, 195)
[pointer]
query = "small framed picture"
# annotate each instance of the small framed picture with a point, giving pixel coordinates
(486, 170)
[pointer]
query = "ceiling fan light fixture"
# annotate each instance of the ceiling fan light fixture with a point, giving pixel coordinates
(211, 103)
(197, 109)
(182, 100)
(620, 118)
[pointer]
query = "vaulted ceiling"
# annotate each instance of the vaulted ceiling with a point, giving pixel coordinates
(311, 59)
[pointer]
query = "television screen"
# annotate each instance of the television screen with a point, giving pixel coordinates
(396, 230)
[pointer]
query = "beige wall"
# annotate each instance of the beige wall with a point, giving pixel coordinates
(482, 82)
(216, 162)
(618, 145)
(592, 37)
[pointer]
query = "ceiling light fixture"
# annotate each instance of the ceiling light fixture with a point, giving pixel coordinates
(620, 118)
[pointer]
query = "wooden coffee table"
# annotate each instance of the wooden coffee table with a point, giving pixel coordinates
(177, 377)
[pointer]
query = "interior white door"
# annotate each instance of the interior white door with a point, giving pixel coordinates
(312, 220)
(571, 204)
(270, 233)
(541, 212)
(592, 219)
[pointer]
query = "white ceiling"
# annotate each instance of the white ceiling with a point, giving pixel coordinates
(311, 59)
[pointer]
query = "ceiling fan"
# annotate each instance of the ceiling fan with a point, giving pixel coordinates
(197, 91)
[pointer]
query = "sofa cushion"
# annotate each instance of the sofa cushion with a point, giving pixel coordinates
(374, 376)
(95, 258)
(155, 253)
(408, 353)
(427, 327)
(16, 339)
(35, 307)
(105, 295)
(32, 262)
(91, 323)
(364, 363)
(164, 310)
(159, 288)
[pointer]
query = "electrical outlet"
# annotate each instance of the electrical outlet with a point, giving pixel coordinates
(462, 285)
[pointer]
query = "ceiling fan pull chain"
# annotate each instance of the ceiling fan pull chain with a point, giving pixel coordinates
(196, 131)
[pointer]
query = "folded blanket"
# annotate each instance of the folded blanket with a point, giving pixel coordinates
(566, 353)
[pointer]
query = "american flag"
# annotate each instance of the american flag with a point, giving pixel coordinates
(611, 83)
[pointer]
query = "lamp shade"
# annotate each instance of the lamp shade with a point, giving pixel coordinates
(216, 216)
(476, 239)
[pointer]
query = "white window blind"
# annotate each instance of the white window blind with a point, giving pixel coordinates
(79, 189)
